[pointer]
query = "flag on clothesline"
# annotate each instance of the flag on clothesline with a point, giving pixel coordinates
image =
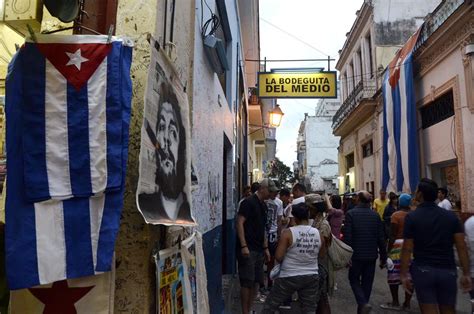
(400, 138)
(67, 113)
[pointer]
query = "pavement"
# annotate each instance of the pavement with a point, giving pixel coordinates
(343, 300)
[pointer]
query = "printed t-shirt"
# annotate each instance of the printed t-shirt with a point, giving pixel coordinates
(275, 209)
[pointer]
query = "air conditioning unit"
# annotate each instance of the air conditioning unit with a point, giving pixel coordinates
(216, 55)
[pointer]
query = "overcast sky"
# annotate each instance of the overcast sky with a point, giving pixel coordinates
(322, 25)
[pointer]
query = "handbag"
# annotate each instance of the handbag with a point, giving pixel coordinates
(339, 253)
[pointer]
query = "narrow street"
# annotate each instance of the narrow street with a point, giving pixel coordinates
(343, 300)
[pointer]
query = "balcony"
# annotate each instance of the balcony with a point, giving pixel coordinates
(359, 97)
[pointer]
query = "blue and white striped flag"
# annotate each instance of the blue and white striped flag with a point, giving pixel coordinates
(67, 114)
(400, 138)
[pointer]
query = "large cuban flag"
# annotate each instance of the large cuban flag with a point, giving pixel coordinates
(400, 149)
(67, 114)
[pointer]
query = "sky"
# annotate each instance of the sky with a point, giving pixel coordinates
(284, 26)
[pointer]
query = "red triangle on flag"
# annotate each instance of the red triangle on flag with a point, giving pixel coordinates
(76, 62)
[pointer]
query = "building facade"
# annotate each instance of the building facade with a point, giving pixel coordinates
(317, 153)
(444, 89)
(227, 134)
(370, 45)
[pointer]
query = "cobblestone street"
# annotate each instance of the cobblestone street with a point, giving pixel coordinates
(343, 300)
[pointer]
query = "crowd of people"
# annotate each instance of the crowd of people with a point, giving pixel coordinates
(303, 239)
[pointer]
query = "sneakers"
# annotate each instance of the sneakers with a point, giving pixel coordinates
(260, 297)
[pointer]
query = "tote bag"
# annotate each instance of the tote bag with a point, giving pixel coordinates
(339, 253)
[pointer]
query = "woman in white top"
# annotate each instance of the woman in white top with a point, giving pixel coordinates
(297, 252)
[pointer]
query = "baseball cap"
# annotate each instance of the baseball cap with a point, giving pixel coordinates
(313, 198)
(267, 183)
(404, 200)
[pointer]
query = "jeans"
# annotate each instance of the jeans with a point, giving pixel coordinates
(283, 288)
(361, 278)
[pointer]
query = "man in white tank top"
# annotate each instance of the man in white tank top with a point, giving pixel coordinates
(297, 252)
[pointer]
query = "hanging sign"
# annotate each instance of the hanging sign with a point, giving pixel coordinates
(297, 85)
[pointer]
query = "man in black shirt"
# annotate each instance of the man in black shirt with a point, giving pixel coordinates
(252, 241)
(430, 233)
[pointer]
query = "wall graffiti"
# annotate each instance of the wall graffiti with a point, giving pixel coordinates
(214, 191)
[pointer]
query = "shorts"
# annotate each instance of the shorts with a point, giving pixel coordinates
(435, 285)
(250, 269)
(272, 243)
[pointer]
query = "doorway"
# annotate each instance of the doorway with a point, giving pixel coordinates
(226, 196)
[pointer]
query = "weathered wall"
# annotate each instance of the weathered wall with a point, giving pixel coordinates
(440, 140)
(213, 125)
(134, 292)
(396, 20)
(212, 119)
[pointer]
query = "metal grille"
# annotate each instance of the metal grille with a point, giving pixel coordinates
(438, 110)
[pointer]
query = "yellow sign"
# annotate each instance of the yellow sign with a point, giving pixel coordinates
(297, 85)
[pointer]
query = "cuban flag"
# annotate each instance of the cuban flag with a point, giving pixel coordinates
(400, 144)
(67, 118)
(72, 119)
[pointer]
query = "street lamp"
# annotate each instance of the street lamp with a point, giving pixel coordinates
(275, 117)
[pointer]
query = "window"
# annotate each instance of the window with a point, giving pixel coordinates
(369, 47)
(438, 110)
(353, 76)
(367, 149)
(359, 64)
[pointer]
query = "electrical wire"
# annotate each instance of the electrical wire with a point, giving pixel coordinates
(294, 37)
(214, 23)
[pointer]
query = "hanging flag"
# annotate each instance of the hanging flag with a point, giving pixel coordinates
(93, 294)
(400, 149)
(72, 123)
(67, 132)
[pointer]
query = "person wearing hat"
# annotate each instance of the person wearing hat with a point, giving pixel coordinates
(397, 223)
(252, 241)
(318, 209)
(298, 252)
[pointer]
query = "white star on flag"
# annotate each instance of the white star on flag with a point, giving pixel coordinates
(76, 59)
